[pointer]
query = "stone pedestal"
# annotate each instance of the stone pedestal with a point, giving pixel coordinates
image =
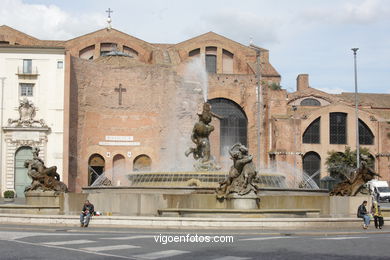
(42, 198)
(347, 206)
(249, 201)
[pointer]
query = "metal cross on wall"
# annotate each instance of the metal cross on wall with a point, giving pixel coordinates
(120, 90)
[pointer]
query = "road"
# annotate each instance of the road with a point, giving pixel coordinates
(40, 242)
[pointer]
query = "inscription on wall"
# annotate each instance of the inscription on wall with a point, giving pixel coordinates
(113, 140)
(119, 138)
(31, 136)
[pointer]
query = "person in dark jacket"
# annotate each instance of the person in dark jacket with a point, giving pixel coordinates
(86, 213)
(362, 213)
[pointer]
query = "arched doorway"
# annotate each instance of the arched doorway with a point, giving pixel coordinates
(312, 166)
(234, 123)
(142, 163)
(96, 165)
(21, 178)
(118, 169)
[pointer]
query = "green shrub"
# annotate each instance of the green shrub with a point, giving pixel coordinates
(9, 194)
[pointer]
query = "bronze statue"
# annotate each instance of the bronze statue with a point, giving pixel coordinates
(352, 186)
(45, 179)
(242, 173)
(200, 137)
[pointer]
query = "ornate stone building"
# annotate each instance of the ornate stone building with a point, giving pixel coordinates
(130, 105)
(32, 112)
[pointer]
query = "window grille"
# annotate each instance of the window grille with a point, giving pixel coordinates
(365, 134)
(312, 166)
(338, 128)
(233, 123)
(312, 133)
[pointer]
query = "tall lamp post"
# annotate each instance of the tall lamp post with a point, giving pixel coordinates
(259, 107)
(356, 110)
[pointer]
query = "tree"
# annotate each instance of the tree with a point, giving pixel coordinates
(341, 165)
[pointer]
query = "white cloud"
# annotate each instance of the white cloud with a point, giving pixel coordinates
(332, 90)
(47, 21)
(352, 12)
(243, 25)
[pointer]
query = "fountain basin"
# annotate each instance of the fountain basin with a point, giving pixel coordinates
(147, 201)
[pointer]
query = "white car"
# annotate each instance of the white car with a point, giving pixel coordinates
(380, 189)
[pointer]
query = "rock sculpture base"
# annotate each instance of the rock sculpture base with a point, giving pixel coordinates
(42, 198)
(248, 201)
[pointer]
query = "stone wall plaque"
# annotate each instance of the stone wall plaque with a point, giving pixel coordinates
(119, 138)
(120, 143)
(19, 136)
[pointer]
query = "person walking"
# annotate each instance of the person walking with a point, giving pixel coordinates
(362, 213)
(377, 213)
(86, 213)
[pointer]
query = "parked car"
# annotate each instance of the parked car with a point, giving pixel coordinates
(380, 189)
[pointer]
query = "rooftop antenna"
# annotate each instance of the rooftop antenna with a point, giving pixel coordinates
(109, 11)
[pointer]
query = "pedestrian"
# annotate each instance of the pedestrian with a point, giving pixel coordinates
(86, 213)
(362, 213)
(377, 212)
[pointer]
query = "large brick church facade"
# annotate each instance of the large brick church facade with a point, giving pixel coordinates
(129, 105)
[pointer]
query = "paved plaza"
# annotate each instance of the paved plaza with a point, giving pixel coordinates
(44, 242)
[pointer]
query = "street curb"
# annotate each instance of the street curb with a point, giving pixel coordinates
(186, 222)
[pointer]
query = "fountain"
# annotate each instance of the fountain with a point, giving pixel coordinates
(200, 186)
(200, 137)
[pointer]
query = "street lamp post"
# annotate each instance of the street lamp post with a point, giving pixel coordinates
(356, 110)
(259, 108)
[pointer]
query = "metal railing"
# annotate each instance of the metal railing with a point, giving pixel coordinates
(32, 72)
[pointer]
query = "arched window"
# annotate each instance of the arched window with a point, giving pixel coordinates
(211, 59)
(227, 62)
(107, 47)
(310, 102)
(312, 166)
(142, 163)
(96, 165)
(194, 52)
(365, 134)
(21, 178)
(87, 53)
(233, 123)
(133, 53)
(312, 133)
(118, 169)
(338, 128)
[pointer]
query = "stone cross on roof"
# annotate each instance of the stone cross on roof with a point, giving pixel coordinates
(109, 11)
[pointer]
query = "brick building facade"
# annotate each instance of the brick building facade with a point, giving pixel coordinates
(130, 105)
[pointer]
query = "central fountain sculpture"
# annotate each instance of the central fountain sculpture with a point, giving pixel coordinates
(241, 175)
(200, 137)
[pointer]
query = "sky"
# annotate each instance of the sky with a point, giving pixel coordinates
(303, 36)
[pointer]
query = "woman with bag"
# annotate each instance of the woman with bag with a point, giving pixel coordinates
(377, 213)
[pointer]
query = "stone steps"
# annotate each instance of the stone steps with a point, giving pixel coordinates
(186, 222)
(254, 213)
